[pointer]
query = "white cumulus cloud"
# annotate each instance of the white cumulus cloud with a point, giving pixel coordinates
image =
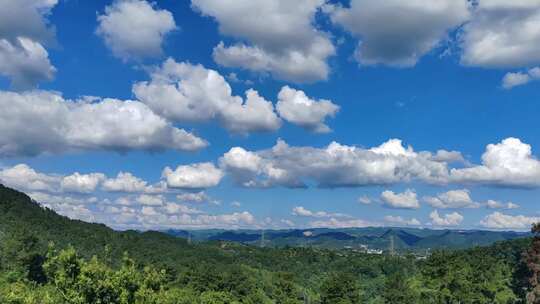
(22, 177)
(333, 166)
(302, 211)
(150, 200)
(134, 29)
(404, 200)
(129, 183)
(60, 125)
(508, 163)
(25, 62)
(452, 199)
(297, 108)
(498, 220)
(194, 176)
(24, 32)
(364, 200)
(502, 34)
(82, 183)
(341, 223)
(398, 33)
(194, 197)
(449, 219)
(511, 80)
(276, 37)
(493, 204)
(183, 92)
(398, 220)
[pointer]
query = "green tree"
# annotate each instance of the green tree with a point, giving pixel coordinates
(217, 297)
(340, 288)
(532, 260)
(397, 290)
(285, 290)
(22, 257)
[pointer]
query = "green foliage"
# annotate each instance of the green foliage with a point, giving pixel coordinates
(398, 290)
(340, 288)
(532, 263)
(89, 264)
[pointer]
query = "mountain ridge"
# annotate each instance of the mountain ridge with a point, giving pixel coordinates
(373, 237)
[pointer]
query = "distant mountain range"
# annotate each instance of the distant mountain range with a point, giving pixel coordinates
(18, 210)
(381, 238)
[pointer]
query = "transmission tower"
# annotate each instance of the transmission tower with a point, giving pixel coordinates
(392, 249)
(262, 239)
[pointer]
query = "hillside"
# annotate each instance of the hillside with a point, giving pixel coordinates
(228, 272)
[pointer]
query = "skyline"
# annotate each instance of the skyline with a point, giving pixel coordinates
(246, 114)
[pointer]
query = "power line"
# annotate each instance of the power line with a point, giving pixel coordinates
(391, 249)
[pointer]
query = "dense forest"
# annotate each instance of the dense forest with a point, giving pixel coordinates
(47, 258)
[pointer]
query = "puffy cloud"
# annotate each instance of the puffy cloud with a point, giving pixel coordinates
(364, 200)
(236, 204)
(127, 182)
(398, 33)
(509, 163)
(278, 37)
(287, 223)
(236, 218)
(511, 205)
(336, 223)
(452, 199)
(149, 211)
(72, 207)
(123, 200)
(23, 32)
(450, 219)
(194, 197)
(134, 29)
(492, 204)
(256, 114)
(51, 200)
(502, 34)
(78, 212)
(295, 107)
(511, 80)
(26, 18)
(173, 208)
(333, 166)
(251, 170)
(154, 218)
(150, 200)
(25, 178)
(498, 220)
(183, 92)
(448, 156)
(194, 176)
(398, 220)
(88, 124)
(22, 177)
(25, 62)
(301, 211)
(404, 200)
(82, 183)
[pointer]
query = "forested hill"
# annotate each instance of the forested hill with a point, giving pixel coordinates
(163, 269)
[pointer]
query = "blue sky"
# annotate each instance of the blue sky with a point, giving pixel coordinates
(446, 79)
